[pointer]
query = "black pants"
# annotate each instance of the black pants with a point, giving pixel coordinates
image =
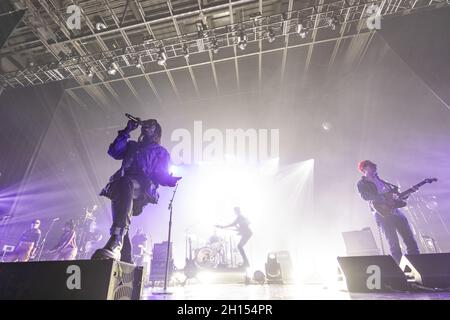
(124, 191)
(244, 239)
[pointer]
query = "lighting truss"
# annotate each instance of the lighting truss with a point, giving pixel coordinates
(255, 29)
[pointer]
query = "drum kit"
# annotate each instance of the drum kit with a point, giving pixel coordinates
(216, 253)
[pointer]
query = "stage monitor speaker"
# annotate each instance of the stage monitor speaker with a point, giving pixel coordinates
(360, 243)
(372, 274)
(70, 280)
(430, 270)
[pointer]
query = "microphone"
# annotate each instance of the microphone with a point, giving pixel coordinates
(135, 119)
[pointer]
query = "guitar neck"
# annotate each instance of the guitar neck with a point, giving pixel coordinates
(413, 189)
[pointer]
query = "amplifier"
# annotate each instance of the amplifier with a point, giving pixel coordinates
(67, 280)
(160, 251)
(158, 270)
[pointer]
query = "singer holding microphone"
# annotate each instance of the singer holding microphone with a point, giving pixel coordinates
(145, 167)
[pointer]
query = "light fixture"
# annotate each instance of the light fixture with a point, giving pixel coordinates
(201, 27)
(256, 15)
(270, 35)
(113, 68)
(100, 24)
(326, 126)
(136, 61)
(185, 50)
(215, 46)
(54, 65)
(242, 40)
(302, 29)
(162, 57)
(333, 22)
(139, 63)
(273, 269)
(90, 72)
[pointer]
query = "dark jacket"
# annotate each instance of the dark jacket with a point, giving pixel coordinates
(147, 163)
(368, 190)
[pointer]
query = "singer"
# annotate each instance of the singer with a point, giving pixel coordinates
(144, 168)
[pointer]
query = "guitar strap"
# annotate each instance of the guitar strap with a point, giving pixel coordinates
(390, 185)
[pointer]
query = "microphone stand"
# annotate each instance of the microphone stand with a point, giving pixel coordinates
(165, 292)
(41, 249)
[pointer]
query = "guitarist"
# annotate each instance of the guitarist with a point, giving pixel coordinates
(28, 244)
(66, 248)
(242, 225)
(372, 188)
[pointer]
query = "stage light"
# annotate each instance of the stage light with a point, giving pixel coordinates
(242, 40)
(185, 51)
(270, 35)
(162, 57)
(259, 277)
(256, 15)
(100, 24)
(327, 126)
(201, 27)
(215, 46)
(113, 68)
(90, 72)
(273, 269)
(333, 22)
(139, 64)
(302, 29)
(136, 61)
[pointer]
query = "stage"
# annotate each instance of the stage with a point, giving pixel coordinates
(261, 149)
(280, 292)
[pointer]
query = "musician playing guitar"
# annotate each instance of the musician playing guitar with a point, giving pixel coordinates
(241, 224)
(385, 201)
(66, 248)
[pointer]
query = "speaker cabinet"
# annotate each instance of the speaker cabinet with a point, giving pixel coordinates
(360, 243)
(429, 270)
(68, 280)
(372, 274)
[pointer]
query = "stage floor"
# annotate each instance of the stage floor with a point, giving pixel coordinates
(275, 292)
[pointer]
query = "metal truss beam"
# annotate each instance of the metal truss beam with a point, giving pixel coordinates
(315, 17)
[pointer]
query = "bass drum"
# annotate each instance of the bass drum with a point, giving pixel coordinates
(206, 258)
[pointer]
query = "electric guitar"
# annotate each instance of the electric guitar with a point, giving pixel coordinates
(394, 199)
(240, 231)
